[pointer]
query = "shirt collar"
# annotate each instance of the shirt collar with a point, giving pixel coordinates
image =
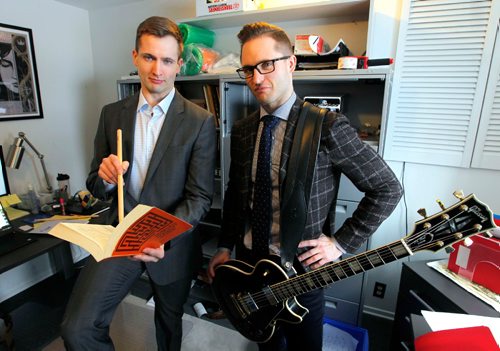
(164, 104)
(283, 111)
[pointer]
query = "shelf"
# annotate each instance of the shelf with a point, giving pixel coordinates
(372, 72)
(353, 9)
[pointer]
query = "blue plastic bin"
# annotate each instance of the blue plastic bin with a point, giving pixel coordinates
(358, 333)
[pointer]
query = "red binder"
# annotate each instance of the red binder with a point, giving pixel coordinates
(462, 339)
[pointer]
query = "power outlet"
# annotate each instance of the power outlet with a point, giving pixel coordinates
(379, 290)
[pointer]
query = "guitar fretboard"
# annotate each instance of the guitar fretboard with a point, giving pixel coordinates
(334, 272)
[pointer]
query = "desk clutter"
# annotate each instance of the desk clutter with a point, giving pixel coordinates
(82, 206)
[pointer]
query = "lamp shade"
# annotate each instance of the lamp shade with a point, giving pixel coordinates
(15, 155)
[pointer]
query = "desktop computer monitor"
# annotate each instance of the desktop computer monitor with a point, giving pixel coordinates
(4, 182)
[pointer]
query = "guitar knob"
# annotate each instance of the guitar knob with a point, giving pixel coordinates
(487, 235)
(449, 249)
(441, 204)
(422, 212)
(459, 194)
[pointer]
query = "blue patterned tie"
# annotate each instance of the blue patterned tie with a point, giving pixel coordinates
(262, 191)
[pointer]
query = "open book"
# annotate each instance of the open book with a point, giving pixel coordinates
(143, 227)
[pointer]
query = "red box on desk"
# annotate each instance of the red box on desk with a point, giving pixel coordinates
(479, 262)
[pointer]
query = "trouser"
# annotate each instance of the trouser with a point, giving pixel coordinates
(99, 290)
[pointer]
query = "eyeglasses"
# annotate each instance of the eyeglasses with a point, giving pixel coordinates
(263, 67)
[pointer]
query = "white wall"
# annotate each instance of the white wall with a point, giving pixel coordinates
(423, 184)
(113, 38)
(61, 37)
(63, 54)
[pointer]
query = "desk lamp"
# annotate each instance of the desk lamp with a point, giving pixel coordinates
(16, 152)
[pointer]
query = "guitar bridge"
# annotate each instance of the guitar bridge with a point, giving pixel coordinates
(244, 303)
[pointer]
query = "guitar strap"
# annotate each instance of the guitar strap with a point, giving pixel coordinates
(298, 182)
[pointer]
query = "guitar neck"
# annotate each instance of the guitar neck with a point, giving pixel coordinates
(337, 271)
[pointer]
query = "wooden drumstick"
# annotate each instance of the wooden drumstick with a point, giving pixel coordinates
(120, 176)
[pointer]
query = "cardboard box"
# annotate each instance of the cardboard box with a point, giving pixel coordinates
(214, 7)
(479, 262)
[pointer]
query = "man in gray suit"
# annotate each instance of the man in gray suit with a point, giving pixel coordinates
(267, 66)
(169, 148)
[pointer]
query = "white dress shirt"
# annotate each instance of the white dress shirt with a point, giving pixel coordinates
(148, 124)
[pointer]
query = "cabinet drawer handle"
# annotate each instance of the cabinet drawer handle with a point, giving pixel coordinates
(332, 305)
(419, 299)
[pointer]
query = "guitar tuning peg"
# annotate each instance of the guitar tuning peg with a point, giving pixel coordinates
(440, 203)
(459, 194)
(449, 249)
(468, 242)
(487, 235)
(422, 212)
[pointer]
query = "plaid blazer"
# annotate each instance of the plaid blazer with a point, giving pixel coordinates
(340, 151)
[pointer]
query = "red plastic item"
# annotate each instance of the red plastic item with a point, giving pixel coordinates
(462, 339)
(479, 262)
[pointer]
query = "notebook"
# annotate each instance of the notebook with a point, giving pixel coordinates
(11, 238)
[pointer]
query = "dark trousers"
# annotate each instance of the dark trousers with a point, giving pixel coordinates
(97, 293)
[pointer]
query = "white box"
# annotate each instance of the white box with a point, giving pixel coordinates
(214, 7)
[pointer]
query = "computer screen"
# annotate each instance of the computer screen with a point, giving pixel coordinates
(4, 221)
(4, 182)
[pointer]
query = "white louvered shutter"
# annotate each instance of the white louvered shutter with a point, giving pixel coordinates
(487, 150)
(442, 63)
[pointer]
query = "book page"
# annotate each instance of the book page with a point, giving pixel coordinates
(91, 237)
(143, 227)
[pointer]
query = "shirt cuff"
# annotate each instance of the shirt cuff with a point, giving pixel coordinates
(223, 249)
(336, 243)
(108, 186)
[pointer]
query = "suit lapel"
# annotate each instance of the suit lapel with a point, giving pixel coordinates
(248, 146)
(173, 119)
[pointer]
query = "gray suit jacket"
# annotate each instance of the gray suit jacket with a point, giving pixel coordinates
(179, 180)
(340, 151)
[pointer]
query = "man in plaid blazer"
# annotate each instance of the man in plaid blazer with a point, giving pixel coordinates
(267, 66)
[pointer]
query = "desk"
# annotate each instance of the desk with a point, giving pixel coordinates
(59, 252)
(423, 288)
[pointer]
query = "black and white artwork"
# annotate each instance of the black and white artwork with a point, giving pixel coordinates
(19, 89)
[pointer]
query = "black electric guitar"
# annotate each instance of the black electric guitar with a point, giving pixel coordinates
(254, 299)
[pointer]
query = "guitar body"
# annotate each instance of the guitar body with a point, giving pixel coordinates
(254, 299)
(241, 290)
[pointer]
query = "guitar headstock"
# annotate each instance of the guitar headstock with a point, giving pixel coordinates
(467, 217)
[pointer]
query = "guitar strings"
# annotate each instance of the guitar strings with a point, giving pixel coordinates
(325, 275)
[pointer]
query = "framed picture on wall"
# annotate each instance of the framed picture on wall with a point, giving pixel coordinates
(19, 89)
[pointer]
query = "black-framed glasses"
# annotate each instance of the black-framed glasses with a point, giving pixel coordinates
(263, 67)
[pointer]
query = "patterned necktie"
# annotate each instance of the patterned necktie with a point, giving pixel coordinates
(262, 191)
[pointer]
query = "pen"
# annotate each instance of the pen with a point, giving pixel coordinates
(67, 218)
(104, 209)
